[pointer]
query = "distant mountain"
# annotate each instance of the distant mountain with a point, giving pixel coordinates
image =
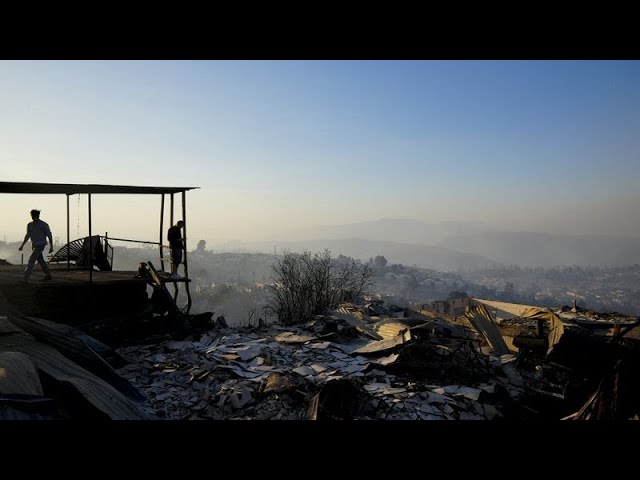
(399, 230)
(438, 258)
(530, 249)
(458, 245)
(545, 250)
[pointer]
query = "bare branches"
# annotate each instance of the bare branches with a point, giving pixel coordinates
(310, 284)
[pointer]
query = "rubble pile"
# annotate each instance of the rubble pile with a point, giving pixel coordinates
(377, 362)
(359, 362)
(295, 372)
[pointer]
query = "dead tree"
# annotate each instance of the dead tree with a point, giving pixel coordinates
(309, 284)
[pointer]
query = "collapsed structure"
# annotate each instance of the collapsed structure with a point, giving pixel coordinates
(364, 361)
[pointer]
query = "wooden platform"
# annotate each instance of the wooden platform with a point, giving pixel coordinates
(12, 274)
(69, 297)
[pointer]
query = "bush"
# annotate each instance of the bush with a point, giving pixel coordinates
(311, 284)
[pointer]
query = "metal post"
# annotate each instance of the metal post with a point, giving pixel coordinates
(68, 246)
(186, 264)
(106, 248)
(171, 220)
(161, 229)
(90, 246)
(171, 212)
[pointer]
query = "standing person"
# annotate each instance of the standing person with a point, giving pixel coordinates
(176, 243)
(38, 231)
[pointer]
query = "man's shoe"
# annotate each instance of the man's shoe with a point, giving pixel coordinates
(47, 277)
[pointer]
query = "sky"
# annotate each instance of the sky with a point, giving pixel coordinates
(278, 147)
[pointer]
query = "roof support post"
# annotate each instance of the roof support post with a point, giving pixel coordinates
(161, 229)
(90, 245)
(68, 239)
(186, 264)
(171, 212)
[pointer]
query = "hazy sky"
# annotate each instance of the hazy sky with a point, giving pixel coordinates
(277, 146)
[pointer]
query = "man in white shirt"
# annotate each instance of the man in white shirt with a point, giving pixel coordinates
(38, 231)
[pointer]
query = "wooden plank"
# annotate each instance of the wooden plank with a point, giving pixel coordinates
(160, 286)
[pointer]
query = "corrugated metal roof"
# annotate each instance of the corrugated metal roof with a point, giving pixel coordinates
(515, 309)
(100, 394)
(72, 188)
(72, 343)
(356, 320)
(8, 327)
(556, 328)
(480, 318)
(390, 329)
(18, 375)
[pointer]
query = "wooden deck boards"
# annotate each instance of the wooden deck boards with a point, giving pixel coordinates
(12, 274)
(69, 297)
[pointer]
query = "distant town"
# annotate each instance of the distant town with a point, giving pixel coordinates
(234, 283)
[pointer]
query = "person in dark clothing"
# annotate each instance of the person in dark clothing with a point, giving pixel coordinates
(176, 243)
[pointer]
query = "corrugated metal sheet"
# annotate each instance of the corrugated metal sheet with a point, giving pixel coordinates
(18, 375)
(382, 345)
(100, 394)
(71, 343)
(481, 320)
(8, 327)
(556, 327)
(390, 329)
(443, 324)
(354, 320)
(515, 309)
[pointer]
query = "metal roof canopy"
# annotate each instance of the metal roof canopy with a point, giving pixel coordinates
(72, 188)
(75, 188)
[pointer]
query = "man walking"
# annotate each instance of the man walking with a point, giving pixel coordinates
(38, 231)
(174, 235)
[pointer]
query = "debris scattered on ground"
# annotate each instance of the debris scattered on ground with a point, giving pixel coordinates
(358, 362)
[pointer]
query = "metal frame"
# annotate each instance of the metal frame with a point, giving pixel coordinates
(70, 189)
